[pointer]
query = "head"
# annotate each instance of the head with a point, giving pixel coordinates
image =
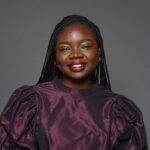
(50, 70)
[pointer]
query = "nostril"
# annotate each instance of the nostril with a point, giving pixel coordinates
(76, 55)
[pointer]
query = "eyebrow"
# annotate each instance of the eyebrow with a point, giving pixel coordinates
(85, 40)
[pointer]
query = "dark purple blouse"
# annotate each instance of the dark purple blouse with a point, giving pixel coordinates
(50, 116)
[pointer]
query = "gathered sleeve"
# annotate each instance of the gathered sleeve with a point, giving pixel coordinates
(127, 127)
(18, 121)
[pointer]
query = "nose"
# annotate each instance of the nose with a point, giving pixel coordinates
(76, 53)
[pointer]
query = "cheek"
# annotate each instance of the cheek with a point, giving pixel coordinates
(59, 57)
(92, 56)
(60, 60)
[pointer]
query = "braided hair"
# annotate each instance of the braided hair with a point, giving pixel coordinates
(50, 70)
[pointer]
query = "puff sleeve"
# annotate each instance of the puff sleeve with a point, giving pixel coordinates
(18, 121)
(127, 127)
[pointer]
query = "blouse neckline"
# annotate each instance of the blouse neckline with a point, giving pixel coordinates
(66, 89)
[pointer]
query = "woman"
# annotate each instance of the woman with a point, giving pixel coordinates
(72, 106)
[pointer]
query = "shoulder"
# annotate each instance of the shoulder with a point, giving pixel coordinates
(123, 113)
(126, 120)
(122, 103)
(118, 100)
(30, 90)
(24, 99)
(21, 100)
(43, 88)
(120, 107)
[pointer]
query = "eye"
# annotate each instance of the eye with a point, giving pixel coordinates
(86, 46)
(64, 48)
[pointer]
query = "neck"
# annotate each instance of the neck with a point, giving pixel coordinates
(77, 83)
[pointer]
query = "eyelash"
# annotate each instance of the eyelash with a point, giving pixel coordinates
(64, 48)
(82, 47)
(86, 46)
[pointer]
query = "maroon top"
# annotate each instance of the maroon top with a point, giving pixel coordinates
(50, 116)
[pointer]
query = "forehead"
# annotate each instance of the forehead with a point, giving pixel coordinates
(76, 27)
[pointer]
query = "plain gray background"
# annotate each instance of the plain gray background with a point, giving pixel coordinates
(26, 25)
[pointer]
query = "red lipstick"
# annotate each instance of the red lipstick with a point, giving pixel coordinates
(77, 67)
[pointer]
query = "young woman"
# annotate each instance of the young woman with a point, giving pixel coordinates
(72, 107)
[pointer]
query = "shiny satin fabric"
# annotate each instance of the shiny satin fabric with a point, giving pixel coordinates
(50, 116)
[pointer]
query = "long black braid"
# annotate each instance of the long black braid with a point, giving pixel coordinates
(50, 70)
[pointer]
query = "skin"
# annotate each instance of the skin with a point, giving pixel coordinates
(77, 55)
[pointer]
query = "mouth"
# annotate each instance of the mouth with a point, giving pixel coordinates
(77, 67)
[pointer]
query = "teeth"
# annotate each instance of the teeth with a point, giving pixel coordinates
(77, 65)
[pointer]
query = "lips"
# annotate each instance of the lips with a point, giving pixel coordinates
(77, 67)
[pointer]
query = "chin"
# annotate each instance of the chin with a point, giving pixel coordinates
(76, 76)
(80, 78)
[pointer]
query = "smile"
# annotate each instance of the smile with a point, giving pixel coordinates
(77, 67)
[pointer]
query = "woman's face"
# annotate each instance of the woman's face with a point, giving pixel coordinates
(77, 52)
